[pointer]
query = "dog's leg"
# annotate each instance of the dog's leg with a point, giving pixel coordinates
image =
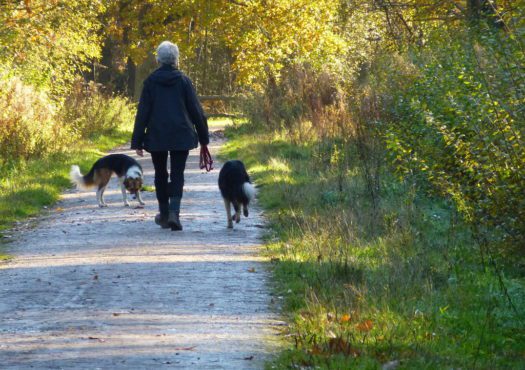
(100, 197)
(139, 198)
(228, 207)
(123, 189)
(237, 208)
(245, 209)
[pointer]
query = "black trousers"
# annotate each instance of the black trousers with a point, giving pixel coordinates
(178, 164)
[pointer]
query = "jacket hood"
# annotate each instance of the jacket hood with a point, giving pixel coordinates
(166, 75)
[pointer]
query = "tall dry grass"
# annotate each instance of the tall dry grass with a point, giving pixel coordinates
(89, 110)
(32, 125)
(28, 124)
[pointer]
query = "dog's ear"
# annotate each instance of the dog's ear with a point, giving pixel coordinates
(126, 182)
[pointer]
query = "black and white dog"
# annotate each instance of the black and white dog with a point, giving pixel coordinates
(236, 188)
(127, 169)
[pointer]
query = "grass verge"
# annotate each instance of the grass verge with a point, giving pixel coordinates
(27, 186)
(396, 282)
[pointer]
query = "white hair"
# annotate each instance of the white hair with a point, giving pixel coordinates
(168, 53)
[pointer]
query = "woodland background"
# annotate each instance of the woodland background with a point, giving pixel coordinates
(386, 137)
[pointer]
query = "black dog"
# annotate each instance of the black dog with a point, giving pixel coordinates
(236, 188)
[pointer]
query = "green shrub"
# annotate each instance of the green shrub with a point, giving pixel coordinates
(460, 126)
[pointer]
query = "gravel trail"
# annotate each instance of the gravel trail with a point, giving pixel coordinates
(93, 288)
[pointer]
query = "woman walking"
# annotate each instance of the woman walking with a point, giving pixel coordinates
(170, 121)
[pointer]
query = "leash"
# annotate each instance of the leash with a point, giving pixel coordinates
(206, 162)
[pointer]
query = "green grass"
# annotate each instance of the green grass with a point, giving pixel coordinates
(148, 188)
(27, 186)
(364, 283)
(218, 123)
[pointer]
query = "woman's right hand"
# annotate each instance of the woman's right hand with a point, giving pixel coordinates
(206, 161)
(140, 152)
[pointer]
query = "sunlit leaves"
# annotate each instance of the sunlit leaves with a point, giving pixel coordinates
(49, 42)
(280, 32)
(459, 126)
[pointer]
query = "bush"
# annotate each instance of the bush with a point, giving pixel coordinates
(27, 122)
(304, 102)
(89, 111)
(460, 127)
(32, 125)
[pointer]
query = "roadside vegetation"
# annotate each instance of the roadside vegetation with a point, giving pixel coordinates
(368, 279)
(393, 184)
(51, 114)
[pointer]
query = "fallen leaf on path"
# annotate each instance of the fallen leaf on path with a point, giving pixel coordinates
(184, 348)
(251, 269)
(249, 358)
(95, 277)
(59, 209)
(96, 338)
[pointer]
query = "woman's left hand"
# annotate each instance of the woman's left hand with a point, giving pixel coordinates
(140, 152)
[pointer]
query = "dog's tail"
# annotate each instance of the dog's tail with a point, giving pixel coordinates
(249, 190)
(82, 181)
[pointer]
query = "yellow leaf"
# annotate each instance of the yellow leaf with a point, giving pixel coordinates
(345, 318)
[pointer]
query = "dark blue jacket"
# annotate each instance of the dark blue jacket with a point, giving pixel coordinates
(169, 115)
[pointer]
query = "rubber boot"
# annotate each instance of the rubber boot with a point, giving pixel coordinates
(174, 211)
(162, 217)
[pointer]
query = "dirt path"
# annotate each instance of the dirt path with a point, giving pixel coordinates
(94, 288)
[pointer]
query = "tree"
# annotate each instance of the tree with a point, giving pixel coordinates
(48, 42)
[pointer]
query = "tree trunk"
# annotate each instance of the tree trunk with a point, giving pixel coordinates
(484, 9)
(131, 70)
(104, 73)
(474, 9)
